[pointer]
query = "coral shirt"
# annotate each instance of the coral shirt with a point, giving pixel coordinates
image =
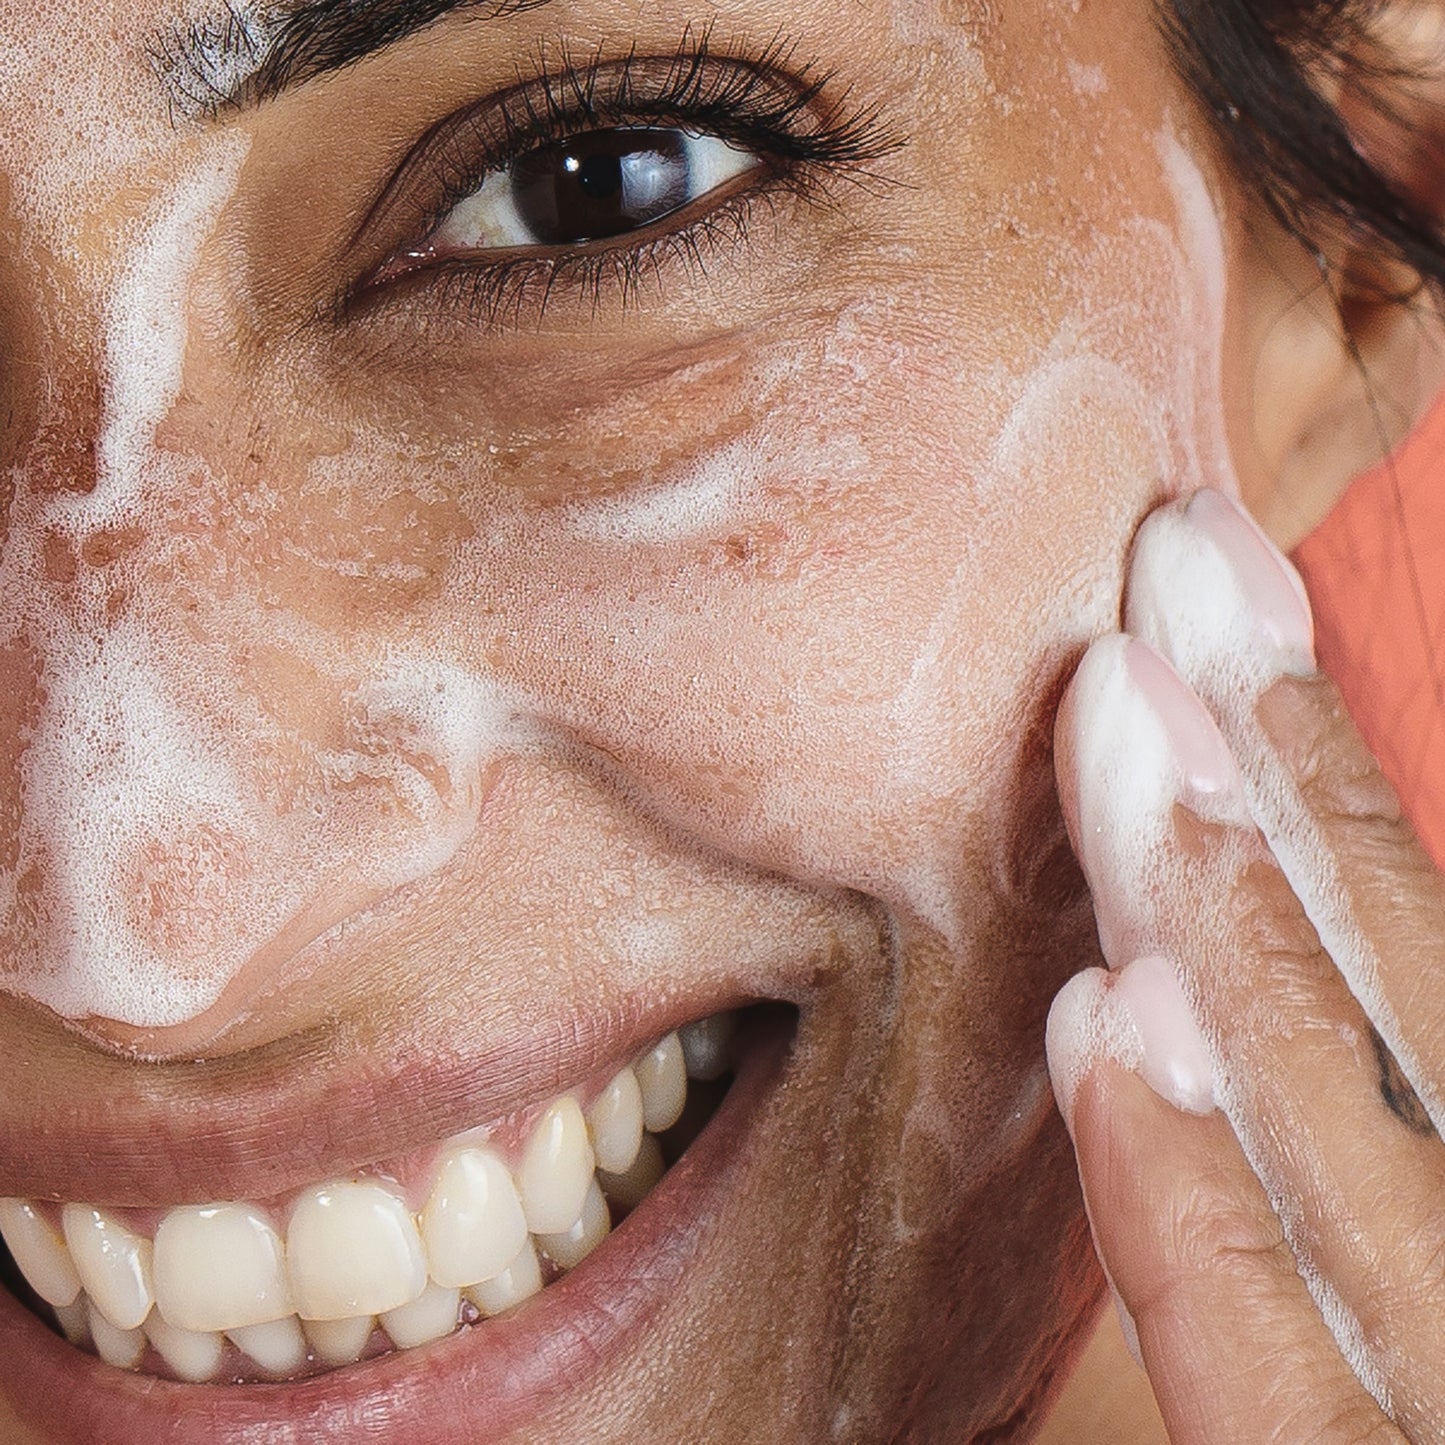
(1375, 569)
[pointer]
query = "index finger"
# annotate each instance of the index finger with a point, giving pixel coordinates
(1210, 592)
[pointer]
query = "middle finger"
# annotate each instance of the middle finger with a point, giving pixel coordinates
(1178, 870)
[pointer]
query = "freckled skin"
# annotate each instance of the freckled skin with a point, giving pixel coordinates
(814, 733)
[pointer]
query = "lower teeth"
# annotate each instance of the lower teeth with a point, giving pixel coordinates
(295, 1348)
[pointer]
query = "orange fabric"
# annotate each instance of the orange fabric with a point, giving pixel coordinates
(1376, 573)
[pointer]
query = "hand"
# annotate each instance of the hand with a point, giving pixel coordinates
(1255, 1086)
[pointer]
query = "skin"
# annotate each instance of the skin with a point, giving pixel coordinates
(809, 737)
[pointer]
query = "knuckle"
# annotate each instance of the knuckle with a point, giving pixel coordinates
(1270, 924)
(1334, 770)
(1351, 1424)
(1355, 1421)
(1220, 1234)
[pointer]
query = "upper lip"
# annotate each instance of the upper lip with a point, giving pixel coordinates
(261, 1124)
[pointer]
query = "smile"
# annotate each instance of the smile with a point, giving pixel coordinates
(448, 1248)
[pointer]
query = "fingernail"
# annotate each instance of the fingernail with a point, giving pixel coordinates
(1137, 1018)
(1173, 1058)
(1273, 589)
(1138, 742)
(1206, 581)
(1204, 767)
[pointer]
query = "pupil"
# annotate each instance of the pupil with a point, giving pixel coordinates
(600, 177)
(604, 183)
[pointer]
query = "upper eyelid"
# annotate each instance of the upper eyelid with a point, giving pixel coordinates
(539, 126)
(629, 86)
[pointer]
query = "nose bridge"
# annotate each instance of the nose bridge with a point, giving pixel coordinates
(94, 324)
(117, 806)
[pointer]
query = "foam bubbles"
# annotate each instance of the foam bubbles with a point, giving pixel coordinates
(145, 337)
(1188, 598)
(705, 495)
(1086, 1028)
(174, 825)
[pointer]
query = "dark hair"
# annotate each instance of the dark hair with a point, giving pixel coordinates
(1257, 65)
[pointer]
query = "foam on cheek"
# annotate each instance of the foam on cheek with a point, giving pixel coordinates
(705, 496)
(1127, 393)
(966, 670)
(1200, 235)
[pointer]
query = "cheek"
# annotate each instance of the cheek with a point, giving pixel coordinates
(799, 595)
(816, 649)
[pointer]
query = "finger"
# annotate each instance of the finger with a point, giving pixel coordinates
(1387, 899)
(1210, 593)
(1182, 874)
(1235, 1350)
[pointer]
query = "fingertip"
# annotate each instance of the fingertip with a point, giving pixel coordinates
(1206, 587)
(1091, 676)
(1066, 762)
(1083, 1030)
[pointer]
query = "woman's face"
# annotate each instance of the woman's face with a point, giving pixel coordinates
(434, 669)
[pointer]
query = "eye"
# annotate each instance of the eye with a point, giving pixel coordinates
(589, 187)
(592, 175)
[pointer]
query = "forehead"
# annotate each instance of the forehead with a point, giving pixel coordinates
(204, 49)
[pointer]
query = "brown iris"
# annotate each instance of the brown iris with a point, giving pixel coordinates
(603, 183)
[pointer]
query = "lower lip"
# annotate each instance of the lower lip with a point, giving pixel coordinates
(485, 1381)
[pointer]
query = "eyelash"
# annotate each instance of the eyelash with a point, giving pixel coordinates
(768, 104)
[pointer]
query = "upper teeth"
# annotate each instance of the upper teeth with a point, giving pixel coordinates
(352, 1252)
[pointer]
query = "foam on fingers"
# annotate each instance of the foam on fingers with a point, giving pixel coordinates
(1086, 1027)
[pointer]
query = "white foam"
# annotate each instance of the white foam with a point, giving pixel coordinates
(1200, 233)
(1086, 1028)
(145, 332)
(1088, 80)
(739, 707)
(703, 497)
(222, 53)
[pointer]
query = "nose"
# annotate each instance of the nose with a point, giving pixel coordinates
(121, 824)
(193, 784)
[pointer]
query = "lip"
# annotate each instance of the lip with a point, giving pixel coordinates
(264, 1127)
(490, 1379)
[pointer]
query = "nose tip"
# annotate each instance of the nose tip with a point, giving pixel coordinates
(179, 823)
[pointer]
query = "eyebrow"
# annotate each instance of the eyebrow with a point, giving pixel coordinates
(246, 54)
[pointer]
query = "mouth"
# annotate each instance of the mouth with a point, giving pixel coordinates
(423, 1289)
